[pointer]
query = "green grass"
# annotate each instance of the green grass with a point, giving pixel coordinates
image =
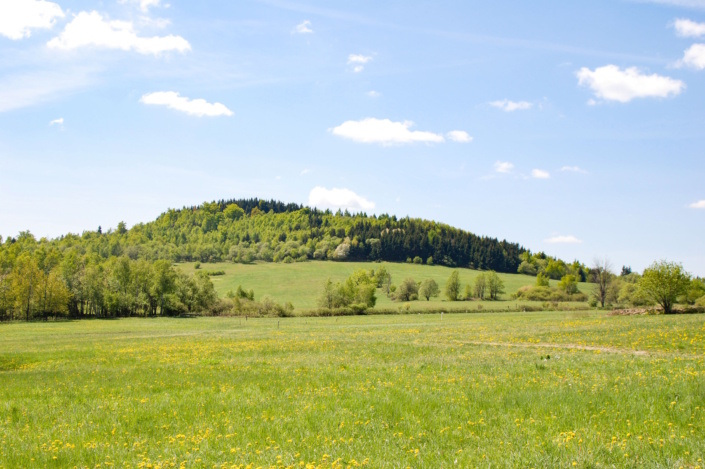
(302, 283)
(422, 391)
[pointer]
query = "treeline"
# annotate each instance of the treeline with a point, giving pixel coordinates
(41, 279)
(256, 230)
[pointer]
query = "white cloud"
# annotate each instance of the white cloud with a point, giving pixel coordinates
(688, 28)
(374, 94)
(19, 17)
(193, 107)
(59, 121)
(459, 136)
(92, 30)
(338, 199)
(700, 204)
(145, 5)
(573, 169)
(613, 84)
(563, 240)
(540, 174)
(303, 28)
(305, 171)
(503, 167)
(384, 132)
(511, 106)
(694, 57)
(358, 61)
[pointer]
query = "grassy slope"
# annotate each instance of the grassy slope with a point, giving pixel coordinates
(388, 391)
(301, 283)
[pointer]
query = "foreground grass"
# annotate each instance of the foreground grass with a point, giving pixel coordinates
(427, 391)
(302, 283)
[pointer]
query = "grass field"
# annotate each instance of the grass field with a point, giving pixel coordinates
(421, 391)
(302, 283)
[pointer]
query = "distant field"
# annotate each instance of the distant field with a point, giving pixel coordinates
(484, 390)
(302, 283)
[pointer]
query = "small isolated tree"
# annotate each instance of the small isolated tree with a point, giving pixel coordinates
(601, 275)
(429, 288)
(495, 285)
(664, 282)
(408, 290)
(480, 286)
(453, 286)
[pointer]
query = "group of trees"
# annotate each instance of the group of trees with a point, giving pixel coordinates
(39, 279)
(487, 285)
(663, 283)
(551, 267)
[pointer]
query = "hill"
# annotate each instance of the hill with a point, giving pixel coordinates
(129, 272)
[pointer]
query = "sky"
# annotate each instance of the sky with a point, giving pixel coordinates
(574, 128)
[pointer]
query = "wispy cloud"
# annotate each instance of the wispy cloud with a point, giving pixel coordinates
(303, 28)
(503, 167)
(384, 132)
(19, 17)
(338, 199)
(24, 90)
(573, 169)
(305, 171)
(193, 107)
(374, 94)
(59, 121)
(540, 174)
(570, 239)
(90, 29)
(144, 5)
(696, 4)
(614, 84)
(700, 205)
(511, 106)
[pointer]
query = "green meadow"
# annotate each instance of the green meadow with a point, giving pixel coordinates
(544, 389)
(301, 283)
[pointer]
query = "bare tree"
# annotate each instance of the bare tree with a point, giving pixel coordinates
(601, 275)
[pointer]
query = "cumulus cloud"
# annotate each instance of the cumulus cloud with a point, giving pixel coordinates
(90, 29)
(459, 136)
(688, 28)
(19, 17)
(358, 61)
(511, 106)
(193, 107)
(563, 240)
(59, 121)
(384, 132)
(503, 167)
(614, 84)
(700, 204)
(573, 169)
(540, 174)
(694, 57)
(303, 28)
(338, 199)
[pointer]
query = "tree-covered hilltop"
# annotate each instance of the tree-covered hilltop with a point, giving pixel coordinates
(270, 231)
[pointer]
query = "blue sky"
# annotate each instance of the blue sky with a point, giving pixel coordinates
(575, 128)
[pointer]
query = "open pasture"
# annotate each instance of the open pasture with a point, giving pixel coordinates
(423, 391)
(301, 283)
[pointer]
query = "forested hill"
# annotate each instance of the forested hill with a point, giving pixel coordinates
(254, 229)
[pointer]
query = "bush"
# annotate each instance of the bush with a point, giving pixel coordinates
(548, 294)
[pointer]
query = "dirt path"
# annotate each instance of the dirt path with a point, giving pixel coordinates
(567, 346)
